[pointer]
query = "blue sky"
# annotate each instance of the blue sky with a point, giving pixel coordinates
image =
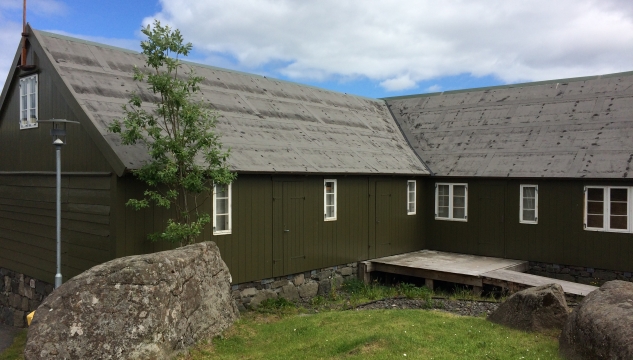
(375, 48)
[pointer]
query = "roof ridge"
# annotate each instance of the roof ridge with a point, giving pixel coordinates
(509, 86)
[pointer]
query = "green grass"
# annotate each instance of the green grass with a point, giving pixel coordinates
(375, 334)
(16, 350)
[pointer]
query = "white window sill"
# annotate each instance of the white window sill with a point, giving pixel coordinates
(451, 219)
(330, 219)
(528, 222)
(411, 213)
(226, 232)
(625, 231)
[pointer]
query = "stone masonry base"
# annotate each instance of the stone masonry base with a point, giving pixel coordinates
(579, 274)
(297, 287)
(20, 295)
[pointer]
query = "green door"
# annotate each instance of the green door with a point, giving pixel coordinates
(490, 216)
(383, 219)
(288, 227)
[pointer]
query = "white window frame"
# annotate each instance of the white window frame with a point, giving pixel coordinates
(606, 210)
(521, 220)
(414, 197)
(230, 209)
(24, 83)
(450, 202)
(325, 204)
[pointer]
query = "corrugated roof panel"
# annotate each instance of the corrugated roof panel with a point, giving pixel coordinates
(544, 129)
(270, 125)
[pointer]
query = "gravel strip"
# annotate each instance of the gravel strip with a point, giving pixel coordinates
(458, 307)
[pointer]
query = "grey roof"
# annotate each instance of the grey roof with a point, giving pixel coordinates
(270, 125)
(579, 127)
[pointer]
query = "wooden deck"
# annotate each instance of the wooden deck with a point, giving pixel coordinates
(465, 269)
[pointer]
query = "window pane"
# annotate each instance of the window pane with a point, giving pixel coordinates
(459, 213)
(595, 194)
(442, 190)
(618, 222)
(459, 190)
(329, 187)
(24, 103)
(529, 204)
(221, 206)
(221, 222)
(443, 200)
(411, 207)
(595, 221)
(459, 201)
(329, 211)
(221, 191)
(442, 212)
(329, 199)
(618, 208)
(594, 207)
(529, 192)
(619, 194)
(411, 197)
(411, 186)
(529, 215)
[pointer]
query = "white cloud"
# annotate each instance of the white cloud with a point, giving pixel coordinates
(381, 40)
(403, 82)
(434, 88)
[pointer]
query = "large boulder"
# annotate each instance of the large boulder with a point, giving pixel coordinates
(138, 307)
(602, 325)
(534, 309)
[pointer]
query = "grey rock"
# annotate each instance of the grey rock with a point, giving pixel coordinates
(534, 309)
(260, 297)
(601, 327)
(604, 275)
(24, 306)
(324, 287)
(308, 290)
(19, 318)
(7, 284)
(346, 271)
(324, 275)
(299, 280)
(279, 283)
(147, 307)
(248, 292)
(289, 292)
(16, 300)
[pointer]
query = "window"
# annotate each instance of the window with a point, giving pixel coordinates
(221, 209)
(607, 208)
(411, 197)
(529, 204)
(451, 202)
(329, 199)
(28, 102)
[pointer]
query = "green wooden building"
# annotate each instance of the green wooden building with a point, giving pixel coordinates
(538, 172)
(323, 178)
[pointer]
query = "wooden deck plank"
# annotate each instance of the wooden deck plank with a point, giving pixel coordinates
(535, 280)
(449, 262)
(466, 269)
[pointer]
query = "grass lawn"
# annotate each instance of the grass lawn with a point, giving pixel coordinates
(16, 350)
(374, 334)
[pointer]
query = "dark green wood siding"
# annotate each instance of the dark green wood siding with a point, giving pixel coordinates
(264, 206)
(27, 224)
(493, 227)
(32, 149)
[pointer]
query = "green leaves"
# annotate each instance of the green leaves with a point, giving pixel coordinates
(186, 156)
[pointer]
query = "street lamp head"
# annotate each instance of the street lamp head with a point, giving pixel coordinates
(58, 132)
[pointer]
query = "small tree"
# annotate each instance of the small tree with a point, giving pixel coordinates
(186, 155)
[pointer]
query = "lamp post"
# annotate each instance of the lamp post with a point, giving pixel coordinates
(58, 132)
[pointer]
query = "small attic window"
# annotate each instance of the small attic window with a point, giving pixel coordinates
(28, 102)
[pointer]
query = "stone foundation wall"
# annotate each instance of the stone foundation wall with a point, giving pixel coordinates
(579, 274)
(297, 287)
(20, 295)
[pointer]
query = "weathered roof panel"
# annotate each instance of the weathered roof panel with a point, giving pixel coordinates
(567, 128)
(269, 125)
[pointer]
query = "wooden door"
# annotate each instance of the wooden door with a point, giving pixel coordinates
(490, 220)
(383, 219)
(288, 227)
